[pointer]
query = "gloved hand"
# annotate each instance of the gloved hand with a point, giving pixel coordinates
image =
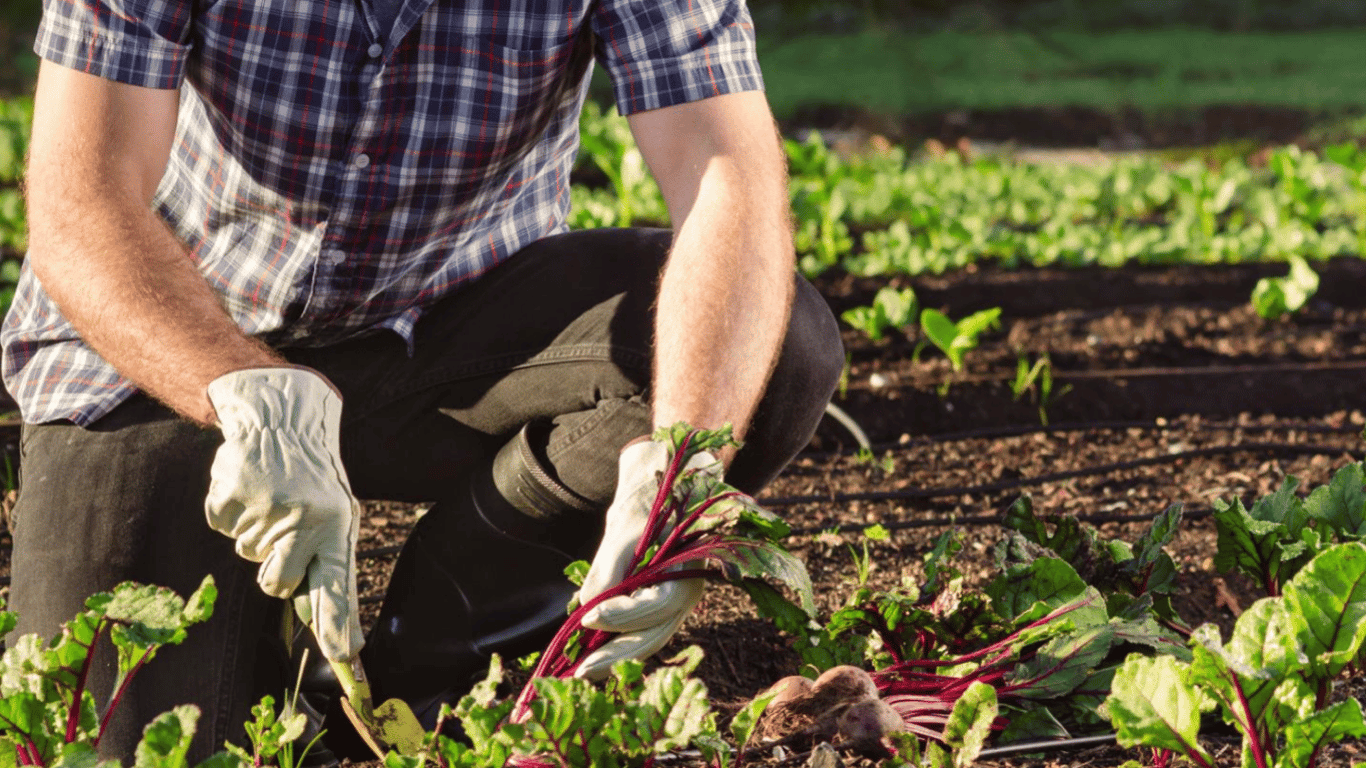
(648, 617)
(278, 488)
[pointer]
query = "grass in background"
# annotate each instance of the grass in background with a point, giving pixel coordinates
(1151, 70)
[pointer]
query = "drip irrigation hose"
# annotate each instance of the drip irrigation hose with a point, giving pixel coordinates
(1138, 373)
(1006, 485)
(1018, 430)
(1187, 513)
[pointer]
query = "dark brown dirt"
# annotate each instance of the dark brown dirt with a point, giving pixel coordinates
(1170, 365)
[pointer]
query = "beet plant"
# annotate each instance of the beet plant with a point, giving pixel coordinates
(48, 713)
(1273, 679)
(1045, 635)
(698, 527)
(1271, 541)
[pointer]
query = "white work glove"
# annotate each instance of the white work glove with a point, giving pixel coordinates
(648, 617)
(278, 488)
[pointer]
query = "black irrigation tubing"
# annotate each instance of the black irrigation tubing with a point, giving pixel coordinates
(1188, 513)
(1143, 373)
(988, 433)
(1006, 485)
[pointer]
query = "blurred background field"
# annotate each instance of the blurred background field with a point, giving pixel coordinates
(911, 63)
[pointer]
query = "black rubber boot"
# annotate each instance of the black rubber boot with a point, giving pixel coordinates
(481, 573)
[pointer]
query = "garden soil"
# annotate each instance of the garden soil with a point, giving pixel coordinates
(1166, 388)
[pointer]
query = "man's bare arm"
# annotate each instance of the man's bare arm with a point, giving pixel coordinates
(726, 292)
(116, 272)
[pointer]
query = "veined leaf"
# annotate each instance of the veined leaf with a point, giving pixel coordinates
(1027, 592)
(1062, 664)
(1152, 704)
(747, 558)
(1304, 738)
(1244, 675)
(1265, 542)
(146, 617)
(1341, 503)
(969, 723)
(166, 740)
(1326, 602)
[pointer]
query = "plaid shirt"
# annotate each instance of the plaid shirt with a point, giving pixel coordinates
(330, 180)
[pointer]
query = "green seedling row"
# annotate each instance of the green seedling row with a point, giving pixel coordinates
(892, 213)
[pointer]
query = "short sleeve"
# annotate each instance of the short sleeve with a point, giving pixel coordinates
(659, 53)
(138, 42)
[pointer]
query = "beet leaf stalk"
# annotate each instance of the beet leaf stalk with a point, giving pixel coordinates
(698, 527)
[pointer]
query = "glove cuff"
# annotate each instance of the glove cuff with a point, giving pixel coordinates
(294, 400)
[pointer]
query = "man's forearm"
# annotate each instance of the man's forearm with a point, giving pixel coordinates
(112, 267)
(725, 296)
(134, 295)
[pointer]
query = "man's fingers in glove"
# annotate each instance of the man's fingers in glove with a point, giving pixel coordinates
(335, 609)
(632, 645)
(285, 566)
(645, 608)
(607, 570)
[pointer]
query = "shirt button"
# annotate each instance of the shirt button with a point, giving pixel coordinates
(362, 161)
(333, 256)
(375, 50)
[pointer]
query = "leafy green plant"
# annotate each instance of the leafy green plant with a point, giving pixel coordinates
(1271, 681)
(606, 141)
(1269, 542)
(1281, 532)
(892, 309)
(272, 736)
(572, 722)
(956, 339)
(868, 458)
(1274, 297)
(48, 714)
(1038, 380)
(863, 559)
(1046, 634)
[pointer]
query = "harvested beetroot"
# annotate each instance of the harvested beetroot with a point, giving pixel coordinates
(865, 724)
(844, 683)
(806, 709)
(789, 689)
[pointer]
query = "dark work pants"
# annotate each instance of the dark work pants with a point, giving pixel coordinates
(560, 332)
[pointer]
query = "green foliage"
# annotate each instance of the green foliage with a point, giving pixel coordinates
(1037, 379)
(1274, 297)
(956, 339)
(47, 712)
(883, 214)
(892, 309)
(1282, 532)
(1270, 681)
(966, 731)
(16, 117)
(606, 142)
(272, 736)
(572, 722)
